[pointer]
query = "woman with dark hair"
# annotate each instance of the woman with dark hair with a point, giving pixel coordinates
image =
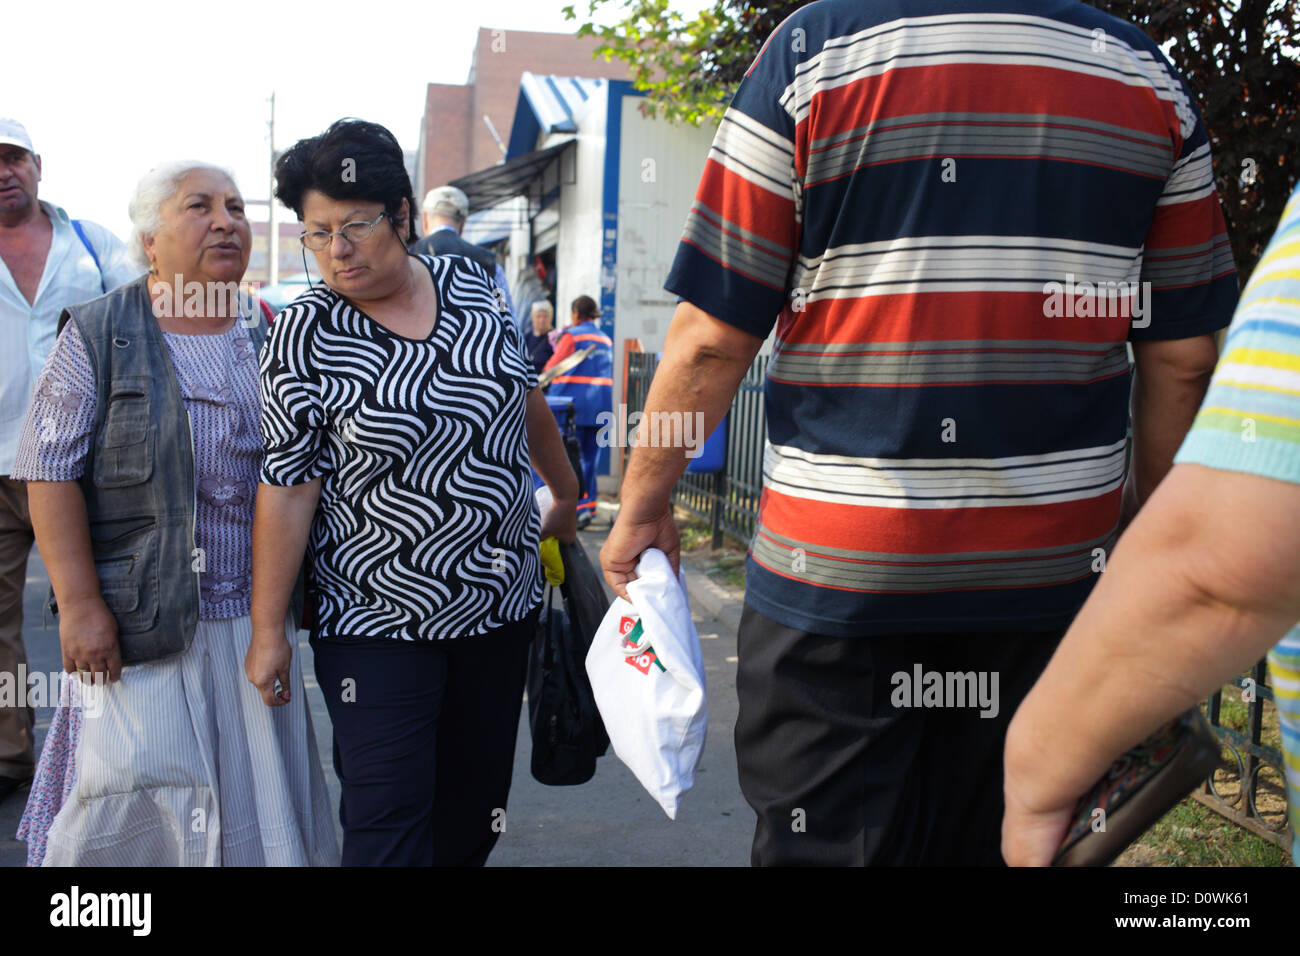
(400, 417)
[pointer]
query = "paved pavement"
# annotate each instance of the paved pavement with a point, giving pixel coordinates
(609, 821)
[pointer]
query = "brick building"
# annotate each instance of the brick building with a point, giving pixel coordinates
(454, 139)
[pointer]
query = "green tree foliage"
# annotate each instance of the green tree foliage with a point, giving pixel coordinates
(688, 67)
(1241, 59)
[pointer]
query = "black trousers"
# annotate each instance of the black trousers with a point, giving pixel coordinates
(840, 775)
(424, 743)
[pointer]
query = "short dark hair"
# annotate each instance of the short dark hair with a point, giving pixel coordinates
(320, 163)
(586, 307)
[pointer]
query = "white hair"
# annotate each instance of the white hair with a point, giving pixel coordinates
(541, 305)
(155, 188)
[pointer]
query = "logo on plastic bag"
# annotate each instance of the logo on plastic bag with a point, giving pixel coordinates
(638, 655)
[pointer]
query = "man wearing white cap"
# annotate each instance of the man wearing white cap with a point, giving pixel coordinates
(47, 261)
(444, 212)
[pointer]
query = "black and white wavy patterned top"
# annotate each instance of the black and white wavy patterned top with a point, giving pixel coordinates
(427, 526)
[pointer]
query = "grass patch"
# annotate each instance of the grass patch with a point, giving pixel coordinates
(1235, 713)
(694, 531)
(726, 564)
(1194, 835)
(728, 569)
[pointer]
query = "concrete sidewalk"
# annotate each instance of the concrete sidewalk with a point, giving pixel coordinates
(611, 820)
(608, 821)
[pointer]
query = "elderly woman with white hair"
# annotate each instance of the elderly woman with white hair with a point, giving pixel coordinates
(141, 451)
(539, 342)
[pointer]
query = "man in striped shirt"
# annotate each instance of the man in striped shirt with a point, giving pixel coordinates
(956, 216)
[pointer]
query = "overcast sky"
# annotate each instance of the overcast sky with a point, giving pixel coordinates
(109, 90)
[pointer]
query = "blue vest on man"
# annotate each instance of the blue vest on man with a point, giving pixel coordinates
(591, 383)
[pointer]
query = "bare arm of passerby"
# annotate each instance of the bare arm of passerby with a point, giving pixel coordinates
(281, 524)
(87, 628)
(1204, 582)
(1172, 378)
(547, 456)
(293, 427)
(52, 453)
(703, 363)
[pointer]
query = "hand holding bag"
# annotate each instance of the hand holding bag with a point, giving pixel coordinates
(647, 673)
(1141, 786)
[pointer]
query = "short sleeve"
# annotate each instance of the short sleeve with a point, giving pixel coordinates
(741, 235)
(293, 417)
(1187, 258)
(1250, 419)
(55, 439)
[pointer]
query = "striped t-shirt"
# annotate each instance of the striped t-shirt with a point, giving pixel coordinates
(955, 215)
(1250, 422)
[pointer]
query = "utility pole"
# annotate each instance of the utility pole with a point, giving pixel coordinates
(493, 130)
(272, 227)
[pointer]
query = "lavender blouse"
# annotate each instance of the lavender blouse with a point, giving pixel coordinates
(219, 385)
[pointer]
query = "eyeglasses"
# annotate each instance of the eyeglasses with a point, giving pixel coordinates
(354, 232)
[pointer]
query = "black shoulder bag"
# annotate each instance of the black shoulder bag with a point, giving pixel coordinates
(568, 734)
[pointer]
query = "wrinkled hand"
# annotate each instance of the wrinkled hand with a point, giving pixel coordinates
(88, 639)
(561, 522)
(1031, 836)
(268, 659)
(629, 538)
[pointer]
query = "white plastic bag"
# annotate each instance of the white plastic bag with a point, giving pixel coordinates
(545, 501)
(647, 674)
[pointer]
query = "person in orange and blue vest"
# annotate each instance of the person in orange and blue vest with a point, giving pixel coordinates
(591, 386)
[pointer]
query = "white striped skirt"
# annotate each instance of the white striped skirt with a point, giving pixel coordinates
(181, 763)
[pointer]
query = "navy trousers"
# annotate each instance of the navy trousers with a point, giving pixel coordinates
(424, 743)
